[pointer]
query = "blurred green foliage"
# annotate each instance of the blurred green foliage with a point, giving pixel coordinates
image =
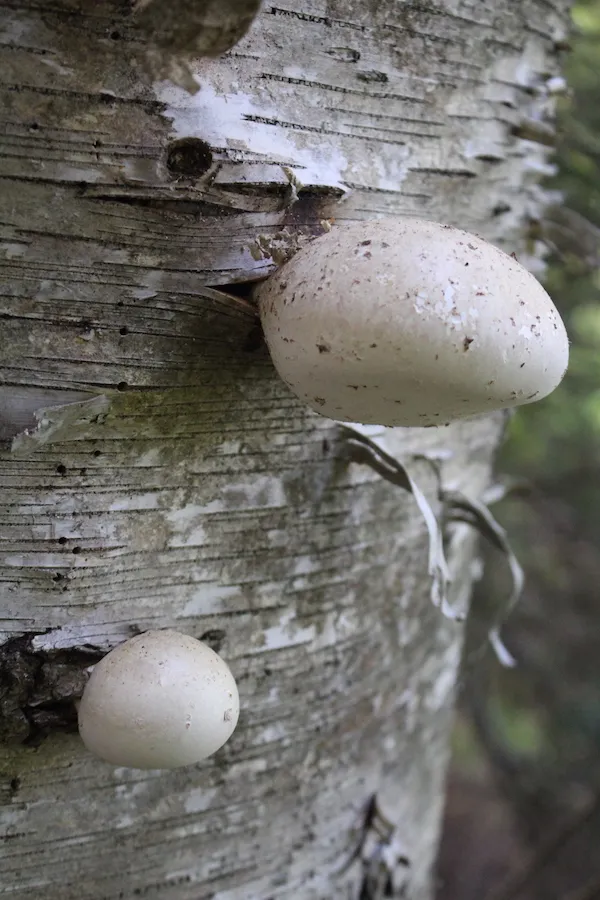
(560, 437)
(531, 734)
(543, 717)
(548, 708)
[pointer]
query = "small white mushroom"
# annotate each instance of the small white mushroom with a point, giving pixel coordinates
(408, 322)
(158, 701)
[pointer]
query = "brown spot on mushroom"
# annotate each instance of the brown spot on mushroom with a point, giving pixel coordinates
(365, 243)
(467, 343)
(320, 401)
(323, 348)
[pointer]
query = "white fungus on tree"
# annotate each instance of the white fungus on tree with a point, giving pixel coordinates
(158, 701)
(408, 322)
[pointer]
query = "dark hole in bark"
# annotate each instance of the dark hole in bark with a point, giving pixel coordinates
(189, 157)
(241, 289)
(59, 716)
(62, 470)
(254, 340)
(122, 386)
(62, 540)
(372, 76)
(214, 638)
(39, 689)
(124, 330)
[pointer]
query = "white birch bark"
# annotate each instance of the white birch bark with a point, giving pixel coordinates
(172, 479)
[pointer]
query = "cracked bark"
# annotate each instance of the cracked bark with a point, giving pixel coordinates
(154, 471)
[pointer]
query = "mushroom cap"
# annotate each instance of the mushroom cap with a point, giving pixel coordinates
(408, 322)
(158, 701)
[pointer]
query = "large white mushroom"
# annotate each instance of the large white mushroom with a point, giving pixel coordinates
(408, 322)
(158, 701)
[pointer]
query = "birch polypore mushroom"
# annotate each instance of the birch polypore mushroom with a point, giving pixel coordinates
(407, 322)
(158, 701)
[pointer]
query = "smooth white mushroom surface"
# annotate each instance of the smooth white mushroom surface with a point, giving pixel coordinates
(158, 701)
(408, 322)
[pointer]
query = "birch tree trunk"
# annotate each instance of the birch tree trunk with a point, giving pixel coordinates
(155, 472)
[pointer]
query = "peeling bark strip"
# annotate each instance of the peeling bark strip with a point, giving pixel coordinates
(153, 470)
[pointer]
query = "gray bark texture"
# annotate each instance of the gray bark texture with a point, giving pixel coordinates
(155, 472)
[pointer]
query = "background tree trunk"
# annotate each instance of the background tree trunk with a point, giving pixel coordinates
(154, 470)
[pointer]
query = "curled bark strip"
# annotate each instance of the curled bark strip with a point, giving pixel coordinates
(20, 407)
(59, 423)
(364, 450)
(461, 508)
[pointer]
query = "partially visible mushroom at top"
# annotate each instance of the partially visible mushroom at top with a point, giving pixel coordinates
(409, 322)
